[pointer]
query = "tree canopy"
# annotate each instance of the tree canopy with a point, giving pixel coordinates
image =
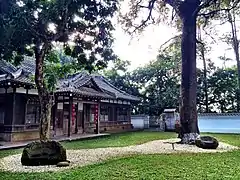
(33, 28)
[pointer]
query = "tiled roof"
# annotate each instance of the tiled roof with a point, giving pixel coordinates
(79, 80)
(6, 67)
(80, 83)
(84, 91)
(13, 74)
(109, 88)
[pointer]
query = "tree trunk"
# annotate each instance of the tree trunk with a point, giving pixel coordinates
(44, 96)
(205, 79)
(235, 42)
(202, 51)
(188, 115)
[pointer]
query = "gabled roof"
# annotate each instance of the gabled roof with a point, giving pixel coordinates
(96, 82)
(80, 83)
(105, 85)
(12, 74)
(7, 68)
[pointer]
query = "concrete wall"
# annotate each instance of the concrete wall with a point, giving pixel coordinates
(219, 123)
(140, 121)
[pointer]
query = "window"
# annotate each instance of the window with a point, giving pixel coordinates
(92, 112)
(122, 114)
(2, 113)
(33, 114)
(104, 112)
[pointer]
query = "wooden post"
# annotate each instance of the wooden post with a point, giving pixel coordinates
(14, 107)
(76, 118)
(70, 115)
(25, 115)
(98, 118)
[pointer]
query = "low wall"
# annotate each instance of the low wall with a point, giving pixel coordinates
(219, 123)
(140, 121)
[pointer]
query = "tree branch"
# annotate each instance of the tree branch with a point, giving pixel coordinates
(149, 17)
(212, 13)
(175, 37)
(199, 42)
(205, 4)
(64, 22)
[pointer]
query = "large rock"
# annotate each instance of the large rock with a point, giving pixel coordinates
(43, 153)
(206, 142)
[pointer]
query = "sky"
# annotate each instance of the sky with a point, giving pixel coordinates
(140, 51)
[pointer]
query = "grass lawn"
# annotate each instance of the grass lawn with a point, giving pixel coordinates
(173, 166)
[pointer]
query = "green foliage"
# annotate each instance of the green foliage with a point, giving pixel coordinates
(32, 27)
(222, 87)
(54, 69)
(157, 83)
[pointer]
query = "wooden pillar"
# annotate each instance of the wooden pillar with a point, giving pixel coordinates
(76, 118)
(5, 108)
(70, 115)
(98, 119)
(26, 105)
(14, 106)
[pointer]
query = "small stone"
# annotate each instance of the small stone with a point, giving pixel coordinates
(63, 164)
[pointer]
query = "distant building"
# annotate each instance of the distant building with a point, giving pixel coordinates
(83, 104)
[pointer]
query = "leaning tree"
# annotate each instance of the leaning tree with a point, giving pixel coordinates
(187, 12)
(30, 27)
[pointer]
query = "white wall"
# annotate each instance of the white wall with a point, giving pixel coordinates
(140, 121)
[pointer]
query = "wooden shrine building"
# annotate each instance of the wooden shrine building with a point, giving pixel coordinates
(84, 103)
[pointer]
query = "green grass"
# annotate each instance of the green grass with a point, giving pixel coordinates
(119, 140)
(174, 166)
(233, 139)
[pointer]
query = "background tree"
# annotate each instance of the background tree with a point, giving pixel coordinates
(187, 11)
(231, 17)
(31, 27)
(222, 90)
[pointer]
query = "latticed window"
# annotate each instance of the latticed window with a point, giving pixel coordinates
(104, 113)
(2, 110)
(2, 114)
(33, 114)
(122, 114)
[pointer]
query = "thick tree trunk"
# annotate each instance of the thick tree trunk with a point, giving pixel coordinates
(188, 115)
(44, 96)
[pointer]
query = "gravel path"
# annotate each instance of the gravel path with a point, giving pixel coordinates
(85, 157)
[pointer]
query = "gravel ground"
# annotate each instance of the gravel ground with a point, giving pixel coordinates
(85, 157)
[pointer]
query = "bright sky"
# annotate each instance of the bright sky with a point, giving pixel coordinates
(141, 51)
